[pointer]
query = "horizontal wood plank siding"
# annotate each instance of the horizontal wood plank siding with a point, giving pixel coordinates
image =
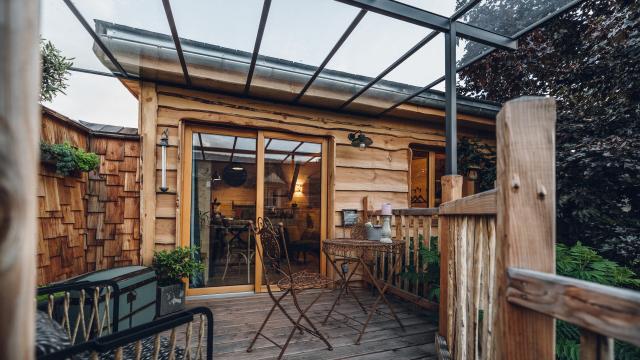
(380, 172)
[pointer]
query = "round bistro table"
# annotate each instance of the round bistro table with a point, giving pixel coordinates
(360, 252)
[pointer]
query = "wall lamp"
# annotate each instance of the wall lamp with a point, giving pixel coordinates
(472, 172)
(164, 142)
(360, 140)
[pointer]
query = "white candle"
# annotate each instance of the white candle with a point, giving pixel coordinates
(386, 209)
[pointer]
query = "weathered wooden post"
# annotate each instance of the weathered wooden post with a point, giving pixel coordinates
(19, 157)
(525, 222)
(451, 190)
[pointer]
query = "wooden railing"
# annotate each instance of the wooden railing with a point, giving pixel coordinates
(417, 226)
(471, 233)
(499, 291)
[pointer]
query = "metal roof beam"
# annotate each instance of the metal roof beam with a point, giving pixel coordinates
(95, 37)
(176, 40)
(333, 51)
(463, 10)
(386, 71)
(256, 46)
(433, 21)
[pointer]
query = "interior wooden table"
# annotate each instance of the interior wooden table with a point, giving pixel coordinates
(359, 251)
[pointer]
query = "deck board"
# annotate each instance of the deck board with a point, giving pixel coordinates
(236, 319)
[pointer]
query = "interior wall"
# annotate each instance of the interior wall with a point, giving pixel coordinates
(381, 172)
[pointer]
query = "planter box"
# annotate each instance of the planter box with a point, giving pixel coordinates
(170, 299)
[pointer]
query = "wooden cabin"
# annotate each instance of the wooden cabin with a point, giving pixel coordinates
(231, 158)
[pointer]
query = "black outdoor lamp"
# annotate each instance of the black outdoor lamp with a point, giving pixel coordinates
(164, 142)
(360, 140)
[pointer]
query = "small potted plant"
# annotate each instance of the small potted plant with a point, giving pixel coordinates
(171, 268)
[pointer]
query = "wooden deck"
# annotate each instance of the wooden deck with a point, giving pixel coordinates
(236, 319)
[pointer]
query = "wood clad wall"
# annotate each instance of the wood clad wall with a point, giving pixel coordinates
(381, 172)
(88, 222)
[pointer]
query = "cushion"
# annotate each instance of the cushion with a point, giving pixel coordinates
(50, 336)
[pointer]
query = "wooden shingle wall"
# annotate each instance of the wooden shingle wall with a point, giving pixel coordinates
(91, 221)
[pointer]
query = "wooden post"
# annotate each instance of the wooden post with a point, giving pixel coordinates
(451, 190)
(147, 127)
(525, 221)
(19, 160)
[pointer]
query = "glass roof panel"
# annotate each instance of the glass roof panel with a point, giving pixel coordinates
(217, 31)
(304, 31)
(309, 148)
(129, 15)
(375, 44)
(246, 143)
(440, 7)
(218, 141)
(420, 69)
(281, 145)
(510, 17)
(96, 99)
(60, 26)
(299, 31)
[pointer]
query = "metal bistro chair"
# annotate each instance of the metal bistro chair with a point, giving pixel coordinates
(275, 264)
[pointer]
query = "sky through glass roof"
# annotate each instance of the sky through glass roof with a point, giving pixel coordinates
(218, 38)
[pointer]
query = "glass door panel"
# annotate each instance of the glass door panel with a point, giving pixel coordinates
(223, 201)
(293, 197)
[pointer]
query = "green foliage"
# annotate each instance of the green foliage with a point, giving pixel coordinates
(431, 276)
(589, 60)
(471, 152)
(172, 266)
(55, 71)
(584, 263)
(68, 159)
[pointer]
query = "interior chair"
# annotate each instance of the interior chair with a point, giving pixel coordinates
(277, 271)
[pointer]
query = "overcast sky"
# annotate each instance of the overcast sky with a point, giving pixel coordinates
(297, 30)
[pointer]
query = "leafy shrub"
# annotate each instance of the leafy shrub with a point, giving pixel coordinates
(55, 71)
(431, 276)
(584, 263)
(68, 158)
(172, 266)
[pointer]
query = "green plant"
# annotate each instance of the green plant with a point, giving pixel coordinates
(584, 263)
(431, 276)
(172, 266)
(68, 158)
(55, 71)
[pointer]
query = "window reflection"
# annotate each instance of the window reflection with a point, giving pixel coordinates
(292, 196)
(223, 196)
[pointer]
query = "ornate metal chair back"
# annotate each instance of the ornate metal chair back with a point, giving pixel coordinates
(274, 253)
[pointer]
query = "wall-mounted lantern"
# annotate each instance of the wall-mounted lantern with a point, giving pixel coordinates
(360, 140)
(472, 172)
(164, 142)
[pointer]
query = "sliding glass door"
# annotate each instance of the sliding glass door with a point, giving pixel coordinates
(293, 197)
(232, 177)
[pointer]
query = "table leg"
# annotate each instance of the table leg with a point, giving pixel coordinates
(381, 292)
(344, 286)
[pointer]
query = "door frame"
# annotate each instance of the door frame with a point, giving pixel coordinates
(185, 200)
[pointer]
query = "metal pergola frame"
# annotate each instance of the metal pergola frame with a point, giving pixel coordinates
(449, 26)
